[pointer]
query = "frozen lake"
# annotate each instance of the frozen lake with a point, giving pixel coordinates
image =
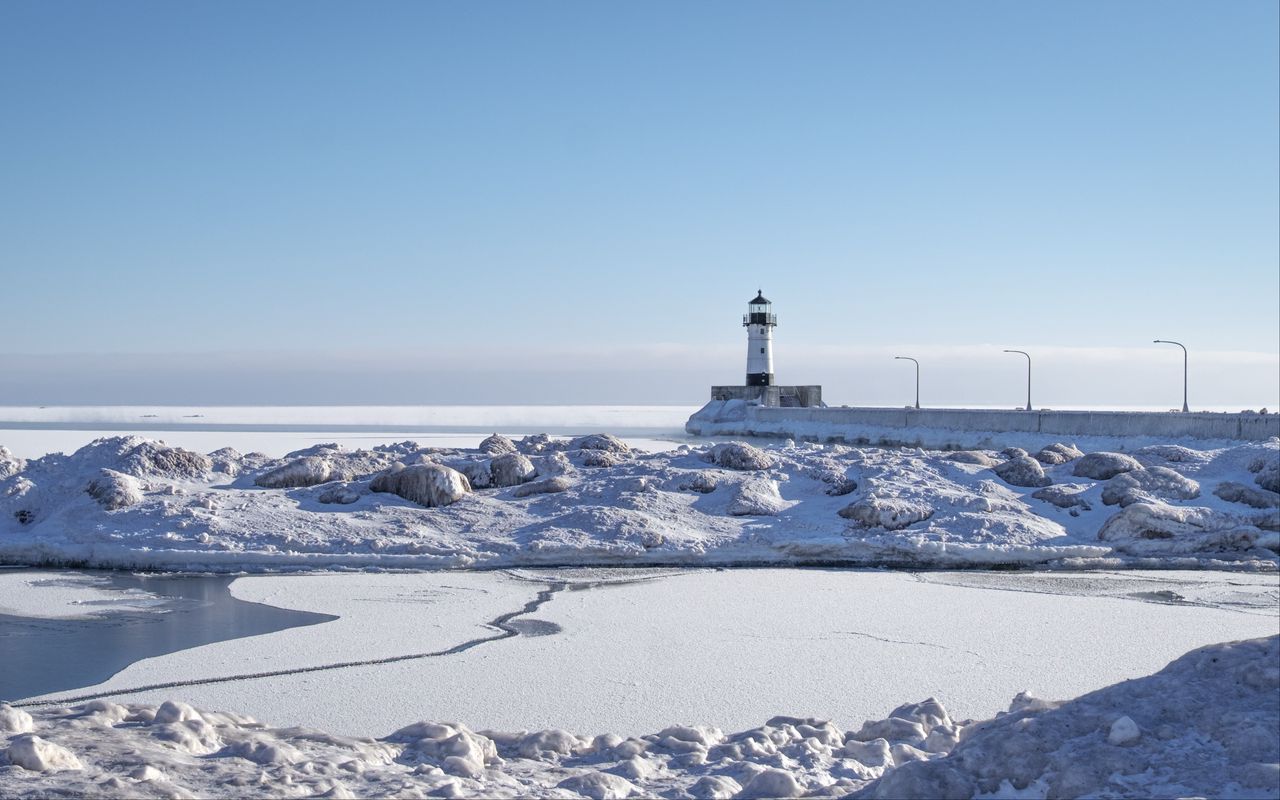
(32, 431)
(632, 651)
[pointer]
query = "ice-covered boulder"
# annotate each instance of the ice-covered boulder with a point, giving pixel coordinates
(1013, 452)
(738, 455)
(699, 482)
(890, 513)
(305, 471)
(227, 460)
(158, 459)
(430, 485)
(496, 445)
(553, 463)
(552, 485)
(14, 720)
(38, 755)
(971, 457)
(10, 464)
(1104, 466)
(600, 786)
(601, 458)
(340, 494)
(1022, 471)
(511, 469)
(1066, 495)
(1234, 492)
(115, 490)
(1268, 476)
(1148, 483)
(1058, 453)
(1157, 528)
(536, 443)
(1170, 453)
(600, 441)
(756, 498)
(769, 783)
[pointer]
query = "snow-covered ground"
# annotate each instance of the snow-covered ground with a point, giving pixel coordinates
(129, 502)
(632, 651)
(1203, 726)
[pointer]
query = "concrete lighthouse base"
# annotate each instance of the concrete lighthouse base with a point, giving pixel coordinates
(771, 396)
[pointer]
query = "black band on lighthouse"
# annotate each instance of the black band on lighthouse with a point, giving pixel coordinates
(760, 379)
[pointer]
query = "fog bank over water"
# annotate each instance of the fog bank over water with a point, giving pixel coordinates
(962, 375)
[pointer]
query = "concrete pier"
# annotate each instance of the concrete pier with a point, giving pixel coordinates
(961, 427)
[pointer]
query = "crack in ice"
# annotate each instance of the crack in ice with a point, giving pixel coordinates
(503, 624)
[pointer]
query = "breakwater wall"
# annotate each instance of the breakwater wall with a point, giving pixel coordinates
(961, 427)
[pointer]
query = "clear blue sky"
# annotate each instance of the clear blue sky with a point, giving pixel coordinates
(457, 187)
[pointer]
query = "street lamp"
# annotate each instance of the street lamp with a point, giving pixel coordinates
(1028, 355)
(917, 363)
(1185, 409)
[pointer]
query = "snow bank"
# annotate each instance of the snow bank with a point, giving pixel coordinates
(1203, 726)
(130, 502)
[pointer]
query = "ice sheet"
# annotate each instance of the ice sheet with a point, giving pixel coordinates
(729, 648)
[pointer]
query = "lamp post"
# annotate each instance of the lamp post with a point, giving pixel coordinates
(1185, 408)
(1028, 355)
(917, 363)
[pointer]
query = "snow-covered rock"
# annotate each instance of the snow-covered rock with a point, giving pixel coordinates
(10, 464)
(511, 469)
(14, 720)
(38, 755)
(1058, 453)
(1149, 483)
(889, 513)
(340, 494)
(430, 485)
(600, 441)
(1234, 492)
(738, 455)
(699, 482)
(496, 445)
(1104, 466)
(1152, 528)
(600, 786)
(972, 457)
(157, 459)
(1065, 495)
(552, 485)
(1268, 476)
(305, 471)
(601, 458)
(115, 490)
(1215, 710)
(538, 443)
(1022, 471)
(756, 498)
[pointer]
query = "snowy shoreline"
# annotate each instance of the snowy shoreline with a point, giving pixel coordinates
(133, 503)
(1202, 726)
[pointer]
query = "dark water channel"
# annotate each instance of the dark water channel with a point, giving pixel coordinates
(39, 655)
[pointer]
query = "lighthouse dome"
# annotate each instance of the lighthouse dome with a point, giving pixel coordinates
(759, 299)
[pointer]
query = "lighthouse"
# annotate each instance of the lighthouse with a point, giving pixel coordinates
(759, 322)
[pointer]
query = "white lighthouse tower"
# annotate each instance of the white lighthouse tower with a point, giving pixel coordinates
(759, 322)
